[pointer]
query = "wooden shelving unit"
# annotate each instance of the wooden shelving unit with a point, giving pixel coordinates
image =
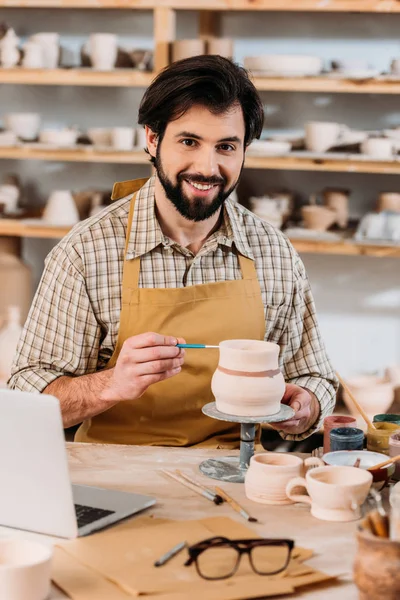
(18, 228)
(72, 77)
(326, 84)
(358, 6)
(86, 154)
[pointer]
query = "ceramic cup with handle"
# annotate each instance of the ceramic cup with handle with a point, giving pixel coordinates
(320, 136)
(270, 472)
(378, 147)
(334, 493)
(123, 138)
(25, 570)
(50, 43)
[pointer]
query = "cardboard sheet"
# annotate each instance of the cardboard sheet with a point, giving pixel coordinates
(125, 555)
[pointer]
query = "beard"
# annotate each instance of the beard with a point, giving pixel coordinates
(193, 209)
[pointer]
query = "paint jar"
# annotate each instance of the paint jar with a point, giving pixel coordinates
(394, 450)
(387, 418)
(333, 422)
(346, 438)
(378, 437)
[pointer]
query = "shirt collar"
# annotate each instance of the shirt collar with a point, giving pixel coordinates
(146, 233)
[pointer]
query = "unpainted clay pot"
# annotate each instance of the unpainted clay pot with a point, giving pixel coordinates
(270, 472)
(377, 567)
(374, 394)
(318, 218)
(248, 381)
(338, 200)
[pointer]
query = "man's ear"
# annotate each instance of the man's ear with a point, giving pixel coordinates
(152, 141)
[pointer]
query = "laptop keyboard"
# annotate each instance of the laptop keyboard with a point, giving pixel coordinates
(88, 514)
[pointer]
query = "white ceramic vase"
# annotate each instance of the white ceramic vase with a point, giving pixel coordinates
(248, 381)
(61, 209)
(103, 51)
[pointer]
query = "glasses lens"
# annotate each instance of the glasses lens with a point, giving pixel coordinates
(269, 559)
(217, 562)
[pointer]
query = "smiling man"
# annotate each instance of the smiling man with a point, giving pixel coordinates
(174, 260)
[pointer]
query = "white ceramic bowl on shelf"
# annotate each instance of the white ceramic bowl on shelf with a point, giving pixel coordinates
(284, 64)
(269, 147)
(59, 137)
(25, 125)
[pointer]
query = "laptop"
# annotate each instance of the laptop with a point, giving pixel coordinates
(35, 489)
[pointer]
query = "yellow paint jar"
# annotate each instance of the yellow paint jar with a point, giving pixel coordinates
(378, 437)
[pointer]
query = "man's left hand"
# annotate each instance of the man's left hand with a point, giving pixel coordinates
(306, 407)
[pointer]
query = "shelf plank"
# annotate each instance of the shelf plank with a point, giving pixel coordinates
(14, 227)
(87, 77)
(87, 154)
(294, 162)
(358, 6)
(326, 84)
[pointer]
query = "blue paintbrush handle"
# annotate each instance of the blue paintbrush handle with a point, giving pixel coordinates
(195, 346)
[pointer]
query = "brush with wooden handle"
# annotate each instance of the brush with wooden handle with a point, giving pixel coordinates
(388, 461)
(239, 509)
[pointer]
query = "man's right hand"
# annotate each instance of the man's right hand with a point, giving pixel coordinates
(144, 359)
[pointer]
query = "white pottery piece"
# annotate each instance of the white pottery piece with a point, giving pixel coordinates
(61, 209)
(395, 66)
(320, 136)
(269, 147)
(319, 218)
(270, 472)
(220, 46)
(378, 147)
(141, 139)
(100, 136)
(9, 53)
(25, 570)
(334, 493)
(371, 227)
(50, 43)
(284, 64)
(338, 200)
(9, 195)
(248, 381)
(33, 55)
(123, 138)
(25, 125)
(8, 138)
(389, 201)
(103, 49)
(374, 394)
(59, 137)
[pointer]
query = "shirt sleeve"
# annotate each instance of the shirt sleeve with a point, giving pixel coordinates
(61, 335)
(303, 355)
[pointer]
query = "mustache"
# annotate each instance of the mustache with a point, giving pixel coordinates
(201, 179)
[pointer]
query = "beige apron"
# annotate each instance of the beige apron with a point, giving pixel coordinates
(169, 412)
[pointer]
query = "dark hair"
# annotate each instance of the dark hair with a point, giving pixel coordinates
(211, 81)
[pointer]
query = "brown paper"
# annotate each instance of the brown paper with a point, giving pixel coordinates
(125, 555)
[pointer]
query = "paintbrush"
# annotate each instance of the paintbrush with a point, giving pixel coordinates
(235, 505)
(217, 498)
(195, 488)
(195, 346)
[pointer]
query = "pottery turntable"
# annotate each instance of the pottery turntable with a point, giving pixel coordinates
(232, 468)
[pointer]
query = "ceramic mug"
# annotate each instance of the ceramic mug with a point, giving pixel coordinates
(25, 570)
(389, 201)
(103, 51)
(334, 493)
(248, 381)
(321, 136)
(270, 472)
(378, 147)
(33, 55)
(187, 48)
(50, 43)
(123, 138)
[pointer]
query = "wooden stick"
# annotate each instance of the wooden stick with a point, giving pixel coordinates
(205, 493)
(379, 523)
(235, 505)
(358, 407)
(218, 498)
(393, 459)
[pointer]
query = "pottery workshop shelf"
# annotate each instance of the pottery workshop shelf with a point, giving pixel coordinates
(327, 84)
(378, 6)
(15, 227)
(87, 77)
(85, 154)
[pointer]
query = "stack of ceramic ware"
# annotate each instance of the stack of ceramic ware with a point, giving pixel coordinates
(284, 65)
(274, 208)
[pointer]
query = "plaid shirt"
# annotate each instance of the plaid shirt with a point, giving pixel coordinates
(72, 326)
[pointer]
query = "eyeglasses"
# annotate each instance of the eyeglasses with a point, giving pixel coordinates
(219, 557)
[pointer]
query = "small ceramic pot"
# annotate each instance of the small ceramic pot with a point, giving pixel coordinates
(220, 46)
(374, 394)
(320, 136)
(333, 422)
(346, 438)
(248, 381)
(394, 450)
(100, 136)
(378, 437)
(123, 138)
(64, 138)
(377, 567)
(61, 209)
(338, 200)
(389, 201)
(318, 218)
(378, 147)
(25, 570)
(25, 125)
(50, 43)
(33, 56)
(187, 48)
(334, 493)
(269, 473)
(103, 51)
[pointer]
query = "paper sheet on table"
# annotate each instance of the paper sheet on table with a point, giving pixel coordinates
(126, 553)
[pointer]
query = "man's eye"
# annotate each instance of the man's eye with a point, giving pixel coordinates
(227, 148)
(188, 143)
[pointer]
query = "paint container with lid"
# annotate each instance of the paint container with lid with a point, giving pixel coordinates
(346, 438)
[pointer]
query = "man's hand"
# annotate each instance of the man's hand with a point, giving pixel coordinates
(306, 407)
(144, 359)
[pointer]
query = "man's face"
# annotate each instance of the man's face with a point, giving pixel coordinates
(200, 159)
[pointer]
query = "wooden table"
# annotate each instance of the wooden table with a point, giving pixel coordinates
(136, 469)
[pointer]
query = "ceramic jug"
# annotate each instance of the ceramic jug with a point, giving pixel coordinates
(16, 277)
(61, 209)
(248, 381)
